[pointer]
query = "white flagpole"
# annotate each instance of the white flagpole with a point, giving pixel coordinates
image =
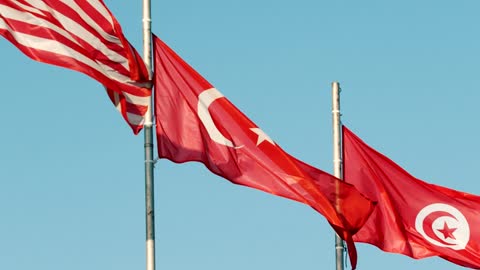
(337, 163)
(148, 135)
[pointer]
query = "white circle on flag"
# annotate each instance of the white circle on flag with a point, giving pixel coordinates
(443, 225)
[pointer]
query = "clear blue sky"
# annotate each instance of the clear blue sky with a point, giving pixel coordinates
(71, 172)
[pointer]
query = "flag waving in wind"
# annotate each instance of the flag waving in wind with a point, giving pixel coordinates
(84, 36)
(195, 122)
(412, 217)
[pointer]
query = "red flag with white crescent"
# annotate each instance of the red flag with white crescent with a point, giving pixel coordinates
(195, 122)
(412, 217)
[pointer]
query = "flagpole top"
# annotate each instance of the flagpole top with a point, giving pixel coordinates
(336, 86)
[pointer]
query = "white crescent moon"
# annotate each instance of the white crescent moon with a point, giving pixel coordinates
(462, 233)
(205, 99)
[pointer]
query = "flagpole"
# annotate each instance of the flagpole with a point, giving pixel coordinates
(148, 138)
(337, 164)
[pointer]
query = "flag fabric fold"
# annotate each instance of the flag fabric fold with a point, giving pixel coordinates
(195, 122)
(412, 217)
(82, 36)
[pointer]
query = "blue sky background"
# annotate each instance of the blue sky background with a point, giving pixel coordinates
(71, 172)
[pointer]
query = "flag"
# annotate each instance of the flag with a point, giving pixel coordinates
(83, 36)
(412, 217)
(195, 122)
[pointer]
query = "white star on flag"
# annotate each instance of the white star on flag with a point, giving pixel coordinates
(261, 136)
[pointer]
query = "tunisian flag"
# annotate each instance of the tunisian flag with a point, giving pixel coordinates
(195, 122)
(412, 217)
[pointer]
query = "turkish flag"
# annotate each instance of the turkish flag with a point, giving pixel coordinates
(412, 217)
(195, 122)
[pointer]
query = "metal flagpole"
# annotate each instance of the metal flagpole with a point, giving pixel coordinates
(148, 135)
(337, 163)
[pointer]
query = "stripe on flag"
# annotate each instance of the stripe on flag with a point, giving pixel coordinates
(84, 36)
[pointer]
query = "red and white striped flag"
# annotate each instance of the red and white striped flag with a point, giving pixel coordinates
(84, 36)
